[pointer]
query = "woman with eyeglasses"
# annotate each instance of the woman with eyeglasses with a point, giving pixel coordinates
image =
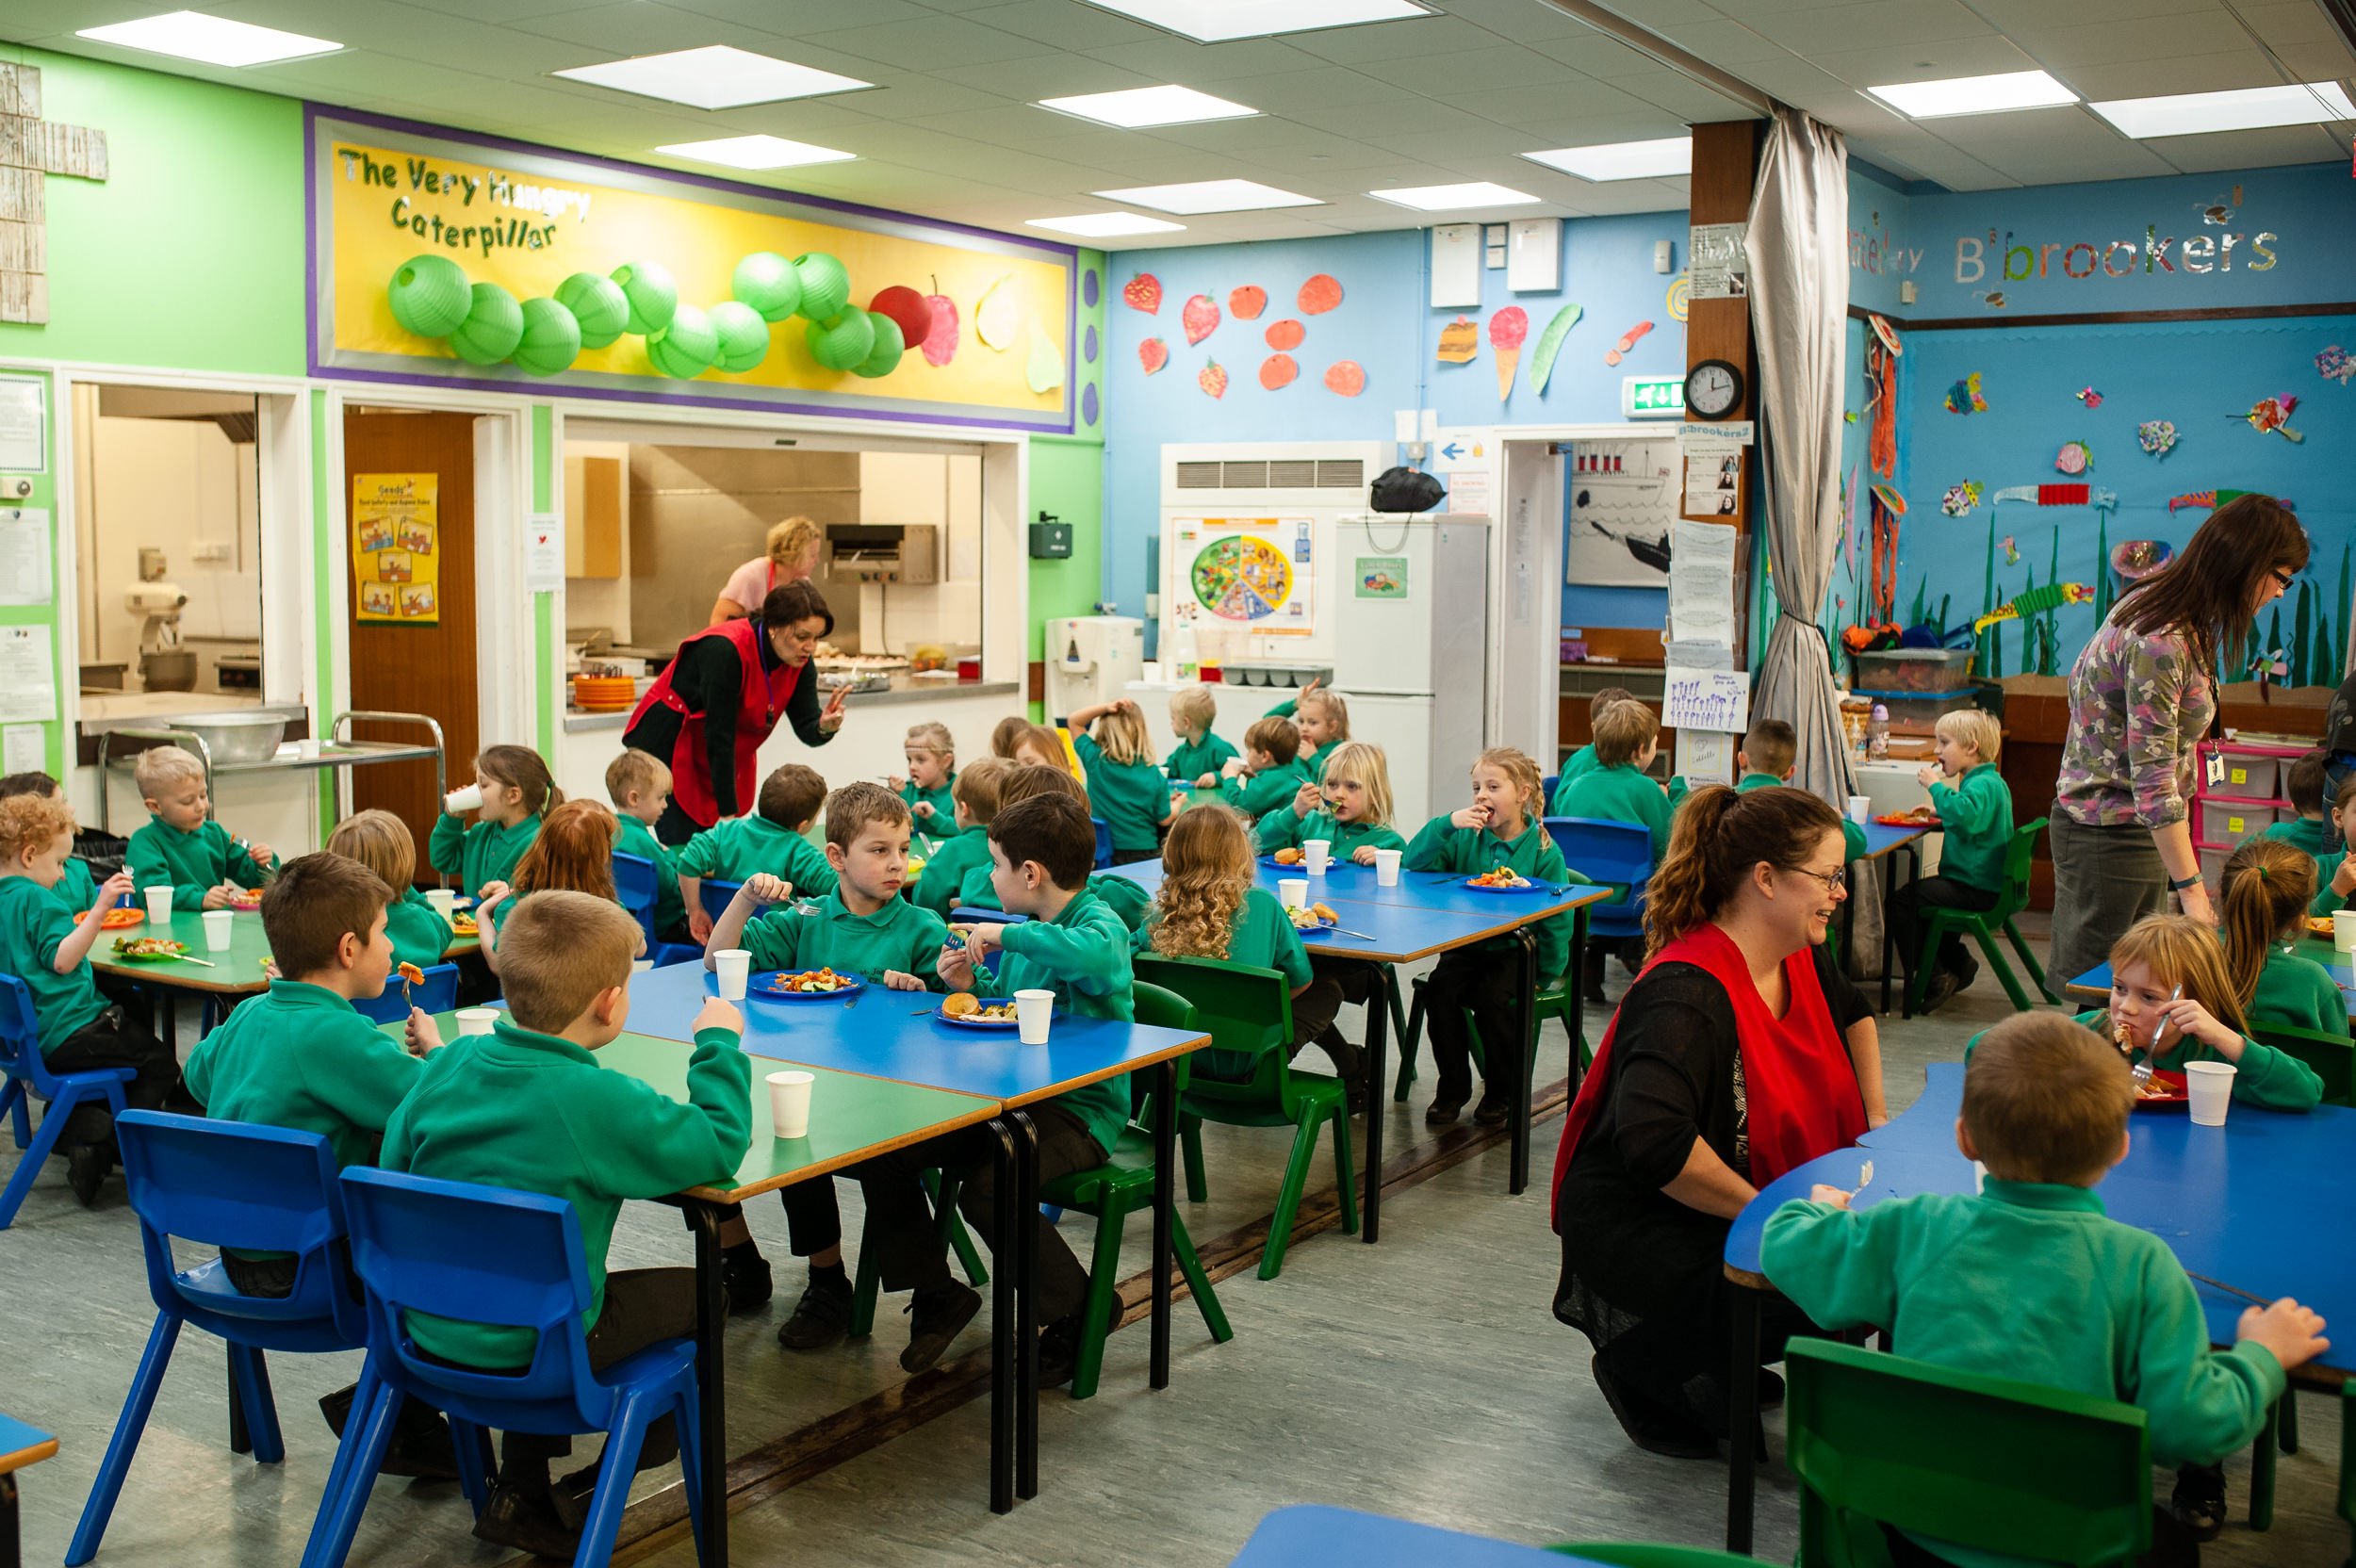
(1739, 1052)
(2142, 696)
(724, 691)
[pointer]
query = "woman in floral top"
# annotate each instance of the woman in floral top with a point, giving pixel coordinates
(2142, 696)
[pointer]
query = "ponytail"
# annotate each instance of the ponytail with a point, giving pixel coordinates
(1715, 839)
(521, 769)
(2268, 886)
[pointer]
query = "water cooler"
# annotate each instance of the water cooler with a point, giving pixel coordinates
(1091, 659)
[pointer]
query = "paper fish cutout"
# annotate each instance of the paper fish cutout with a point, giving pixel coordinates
(2336, 364)
(2157, 435)
(2272, 414)
(2215, 499)
(1848, 415)
(1459, 341)
(1964, 396)
(2036, 601)
(2088, 396)
(2075, 458)
(2012, 552)
(1888, 336)
(1960, 498)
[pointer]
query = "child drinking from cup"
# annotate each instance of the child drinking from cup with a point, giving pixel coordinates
(511, 792)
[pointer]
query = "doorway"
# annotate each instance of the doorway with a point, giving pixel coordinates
(409, 480)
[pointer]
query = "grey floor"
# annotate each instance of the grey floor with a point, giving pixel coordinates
(1423, 1377)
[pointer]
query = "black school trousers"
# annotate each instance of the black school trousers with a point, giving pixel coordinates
(114, 1039)
(1482, 980)
(1907, 919)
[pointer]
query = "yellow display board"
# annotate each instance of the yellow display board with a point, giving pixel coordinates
(396, 554)
(528, 219)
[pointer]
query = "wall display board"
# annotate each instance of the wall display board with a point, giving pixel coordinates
(1245, 574)
(1622, 499)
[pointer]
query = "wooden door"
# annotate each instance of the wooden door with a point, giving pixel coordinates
(418, 669)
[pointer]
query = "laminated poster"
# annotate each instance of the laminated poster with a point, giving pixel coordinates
(396, 535)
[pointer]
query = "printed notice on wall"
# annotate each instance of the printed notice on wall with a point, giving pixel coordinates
(395, 555)
(23, 555)
(1704, 757)
(24, 747)
(544, 554)
(23, 426)
(29, 674)
(1706, 699)
(1715, 262)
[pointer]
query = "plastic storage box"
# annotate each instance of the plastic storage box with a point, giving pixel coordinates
(2228, 822)
(1914, 670)
(2258, 777)
(1917, 712)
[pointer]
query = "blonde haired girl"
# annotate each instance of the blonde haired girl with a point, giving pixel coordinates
(1323, 718)
(932, 758)
(1129, 791)
(1351, 807)
(2263, 897)
(380, 841)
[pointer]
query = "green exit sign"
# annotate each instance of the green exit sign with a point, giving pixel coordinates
(1652, 397)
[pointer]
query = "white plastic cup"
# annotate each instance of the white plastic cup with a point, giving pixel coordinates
(1316, 855)
(1860, 808)
(2344, 930)
(1293, 891)
(789, 1102)
(444, 901)
(733, 966)
(462, 799)
(159, 901)
(1032, 1011)
(217, 929)
(476, 1021)
(2211, 1086)
(309, 750)
(1387, 868)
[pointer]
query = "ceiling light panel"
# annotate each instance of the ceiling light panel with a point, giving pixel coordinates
(1218, 21)
(1452, 198)
(754, 152)
(1203, 196)
(210, 40)
(1623, 161)
(1104, 225)
(715, 77)
(1138, 107)
(2001, 93)
(2249, 109)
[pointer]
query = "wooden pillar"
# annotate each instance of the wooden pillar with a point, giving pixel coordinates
(1726, 166)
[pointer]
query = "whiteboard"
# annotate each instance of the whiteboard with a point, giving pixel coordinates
(1622, 498)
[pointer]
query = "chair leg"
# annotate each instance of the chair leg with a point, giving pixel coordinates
(137, 1406)
(1410, 1037)
(37, 1153)
(1191, 1149)
(1280, 1225)
(620, 1463)
(2028, 959)
(20, 1118)
(687, 1413)
(1096, 1317)
(1919, 978)
(475, 1468)
(366, 1435)
(1199, 1282)
(1345, 1176)
(1995, 956)
(249, 1380)
(944, 1190)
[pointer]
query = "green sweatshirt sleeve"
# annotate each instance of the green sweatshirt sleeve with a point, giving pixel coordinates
(1077, 953)
(1652, 808)
(364, 1077)
(241, 867)
(2275, 1079)
(696, 857)
(1433, 847)
(774, 939)
(1973, 811)
(2202, 1404)
(1278, 829)
(647, 1144)
(444, 845)
(149, 863)
(1283, 710)
(1852, 840)
(1838, 1266)
(2326, 901)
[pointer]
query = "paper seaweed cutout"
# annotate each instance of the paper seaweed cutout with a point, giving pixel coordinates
(2157, 435)
(1964, 396)
(2075, 458)
(2272, 414)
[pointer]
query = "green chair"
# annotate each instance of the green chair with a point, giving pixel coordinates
(1247, 1081)
(1631, 1554)
(1558, 1001)
(869, 1280)
(1982, 925)
(1985, 1463)
(2332, 1056)
(1112, 1191)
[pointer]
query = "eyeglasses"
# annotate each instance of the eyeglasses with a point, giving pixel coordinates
(2282, 578)
(1836, 882)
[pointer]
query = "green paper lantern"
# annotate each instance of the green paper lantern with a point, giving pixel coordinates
(845, 342)
(889, 345)
(428, 296)
(743, 336)
(552, 339)
(826, 286)
(685, 348)
(598, 305)
(493, 327)
(652, 293)
(767, 282)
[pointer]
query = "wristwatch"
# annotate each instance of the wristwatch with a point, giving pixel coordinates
(2177, 884)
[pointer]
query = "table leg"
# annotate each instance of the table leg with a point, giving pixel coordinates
(1025, 1249)
(1572, 978)
(10, 1551)
(1165, 1093)
(1890, 942)
(1743, 1421)
(1378, 1102)
(2262, 1464)
(712, 1316)
(1526, 966)
(1003, 1395)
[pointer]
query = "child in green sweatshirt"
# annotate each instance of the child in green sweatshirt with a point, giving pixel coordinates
(526, 1108)
(639, 784)
(973, 802)
(927, 787)
(1323, 719)
(2304, 783)
(1583, 761)
(518, 791)
(1975, 808)
(2262, 904)
(1200, 761)
(1501, 828)
(864, 928)
(208, 867)
(1272, 773)
(1124, 898)
(2335, 870)
(774, 838)
(77, 889)
(1040, 851)
(1351, 809)
(1764, 761)
(1617, 789)
(1953, 1279)
(1128, 790)
(380, 841)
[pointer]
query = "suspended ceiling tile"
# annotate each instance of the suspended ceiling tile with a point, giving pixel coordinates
(2186, 74)
(1242, 138)
(2022, 19)
(2124, 160)
(1052, 77)
(1474, 70)
(803, 17)
(2239, 150)
(2078, 43)
(1882, 21)
(492, 12)
(1409, 38)
(1598, 54)
(1437, 123)
(644, 27)
(1725, 43)
(1527, 108)
(911, 96)
(1924, 60)
(944, 42)
(2290, 24)
(1684, 100)
(1282, 92)
(1167, 59)
(1480, 141)
(1061, 23)
(1000, 123)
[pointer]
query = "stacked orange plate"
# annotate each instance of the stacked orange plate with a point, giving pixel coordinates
(603, 693)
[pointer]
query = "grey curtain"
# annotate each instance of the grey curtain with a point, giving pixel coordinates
(1797, 242)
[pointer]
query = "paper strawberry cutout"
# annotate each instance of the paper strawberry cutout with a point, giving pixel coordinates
(1200, 318)
(1213, 379)
(1143, 292)
(1153, 353)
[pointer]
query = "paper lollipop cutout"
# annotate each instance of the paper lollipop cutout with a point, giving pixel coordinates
(2336, 364)
(2157, 435)
(2272, 414)
(2075, 458)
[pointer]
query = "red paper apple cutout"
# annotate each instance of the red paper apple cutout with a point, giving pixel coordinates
(939, 342)
(907, 308)
(1246, 304)
(1153, 353)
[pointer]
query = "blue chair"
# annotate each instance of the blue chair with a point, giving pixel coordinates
(488, 1255)
(1103, 842)
(1546, 789)
(635, 888)
(1616, 853)
(27, 1077)
(437, 993)
(227, 1184)
(716, 896)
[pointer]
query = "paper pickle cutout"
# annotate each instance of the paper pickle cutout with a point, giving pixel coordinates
(1507, 330)
(1628, 340)
(2088, 396)
(1960, 498)
(1964, 396)
(2075, 458)
(2336, 364)
(2272, 414)
(2158, 436)
(1459, 340)
(1549, 345)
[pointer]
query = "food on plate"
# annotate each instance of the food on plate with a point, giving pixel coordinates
(960, 1005)
(1503, 876)
(2318, 925)
(246, 898)
(115, 920)
(1290, 856)
(1313, 917)
(1919, 816)
(810, 982)
(983, 1012)
(148, 947)
(2156, 1090)
(463, 924)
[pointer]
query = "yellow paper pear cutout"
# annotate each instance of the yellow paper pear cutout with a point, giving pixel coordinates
(998, 314)
(1045, 369)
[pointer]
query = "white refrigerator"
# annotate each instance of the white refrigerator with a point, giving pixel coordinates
(1411, 624)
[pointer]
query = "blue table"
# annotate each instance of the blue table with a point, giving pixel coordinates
(20, 1446)
(1311, 1537)
(1885, 842)
(2245, 1203)
(878, 1034)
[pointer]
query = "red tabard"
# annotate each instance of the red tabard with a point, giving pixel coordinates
(764, 698)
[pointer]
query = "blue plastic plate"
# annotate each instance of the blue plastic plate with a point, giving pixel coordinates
(760, 986)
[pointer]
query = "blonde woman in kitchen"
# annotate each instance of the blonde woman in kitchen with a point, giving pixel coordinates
(791, 556)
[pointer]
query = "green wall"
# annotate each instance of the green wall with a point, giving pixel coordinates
(190, 255)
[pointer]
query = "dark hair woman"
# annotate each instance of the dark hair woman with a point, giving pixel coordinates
(2142, 696)
(726, 687)
(1738, 1053)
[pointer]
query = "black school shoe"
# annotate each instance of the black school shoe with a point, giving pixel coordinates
(1058, 1352)
(85, 1169)
(1494, 1110)
(2198, 1500)
(1942, 986)
(527, 1523)
(1443, 1113)
(937, 1317)
(822, 1317)
(745, 1274)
